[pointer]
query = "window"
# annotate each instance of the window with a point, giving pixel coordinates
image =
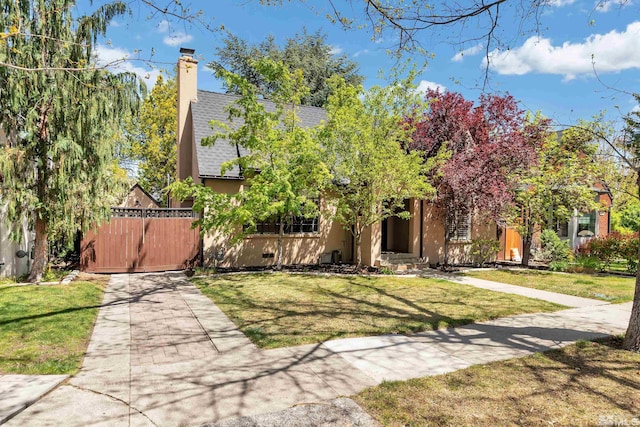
(462, 230)
(563, 229)
(293, 225)
(560, 227)
(587, 224)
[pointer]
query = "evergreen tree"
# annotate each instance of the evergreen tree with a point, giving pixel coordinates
(307, 52)
(60, 118)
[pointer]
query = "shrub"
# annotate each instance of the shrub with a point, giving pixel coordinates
(589, 262)
(558, 265)
(584, 264)
(385, 270)
(614, 246)
(484, 250)
(629, 245)
(605, 249)
(553, 248)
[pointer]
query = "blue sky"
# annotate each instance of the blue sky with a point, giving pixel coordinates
(551, 72)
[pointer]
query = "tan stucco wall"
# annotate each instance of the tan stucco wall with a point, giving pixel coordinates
(300, 248)
(372, 244)
(137, 195)
(458, 251)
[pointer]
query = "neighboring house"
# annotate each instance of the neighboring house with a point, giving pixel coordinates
(12, 265)
(307, 241)
(137, 197)
(581, 228)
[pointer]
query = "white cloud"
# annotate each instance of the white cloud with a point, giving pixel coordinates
(177, 38)
(636, 109)
(360, 52)
(335, 50)
(115, 24)
(163, 26)
(119, 60)
(606, 5)
(559, 3)
(425, 85)
(611, 52)
(473, 50)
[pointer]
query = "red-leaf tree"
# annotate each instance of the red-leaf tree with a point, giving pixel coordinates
(487, 146)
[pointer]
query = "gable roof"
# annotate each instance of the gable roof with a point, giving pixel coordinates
(212, 106)
(131, 191)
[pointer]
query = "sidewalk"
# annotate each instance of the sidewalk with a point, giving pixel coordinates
(163, 354)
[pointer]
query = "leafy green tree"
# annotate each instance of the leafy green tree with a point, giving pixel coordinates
(307, 52)
(153, 134)
(373, 174)
(561, 181)
(283, 171)
(58, 165)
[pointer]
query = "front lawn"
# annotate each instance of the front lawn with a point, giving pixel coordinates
(277, 310)
(586, 384)
(46, 329)
(615, 289)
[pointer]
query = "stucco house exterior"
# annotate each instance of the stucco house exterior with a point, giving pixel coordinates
(419, 239)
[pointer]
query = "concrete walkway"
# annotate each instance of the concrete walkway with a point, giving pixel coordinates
(163, 354)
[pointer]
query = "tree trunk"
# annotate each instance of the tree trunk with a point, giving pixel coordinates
(358, 250)
(280, 239)
(447, 239)
(526, 249)
(40, 252)
(632, 336)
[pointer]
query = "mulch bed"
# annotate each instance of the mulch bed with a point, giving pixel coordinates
(307, 268)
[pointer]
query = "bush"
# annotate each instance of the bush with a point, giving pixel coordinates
(558, 265)
(484, 250)
(629, 246)
(605, 249)
(584, 264)
(589, 263)
(553, 248)
(612, 247)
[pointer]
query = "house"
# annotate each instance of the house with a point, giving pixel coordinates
(138, 197)
(15, 257)
(307, 241)
(582, 227)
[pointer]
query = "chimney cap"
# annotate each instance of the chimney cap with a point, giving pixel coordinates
(186, 51)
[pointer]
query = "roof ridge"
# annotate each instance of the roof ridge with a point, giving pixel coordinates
(233, 95)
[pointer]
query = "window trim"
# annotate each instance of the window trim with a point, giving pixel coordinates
(298, 225)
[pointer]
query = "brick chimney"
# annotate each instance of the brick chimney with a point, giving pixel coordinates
(187, 81)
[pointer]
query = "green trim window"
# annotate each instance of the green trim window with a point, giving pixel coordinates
(587, 225)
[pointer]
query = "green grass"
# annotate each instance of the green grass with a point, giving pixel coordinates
(277, 310)
(46, 329)
(574, 386)
(614, 289)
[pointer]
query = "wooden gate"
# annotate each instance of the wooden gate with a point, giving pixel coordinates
(142, 240)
